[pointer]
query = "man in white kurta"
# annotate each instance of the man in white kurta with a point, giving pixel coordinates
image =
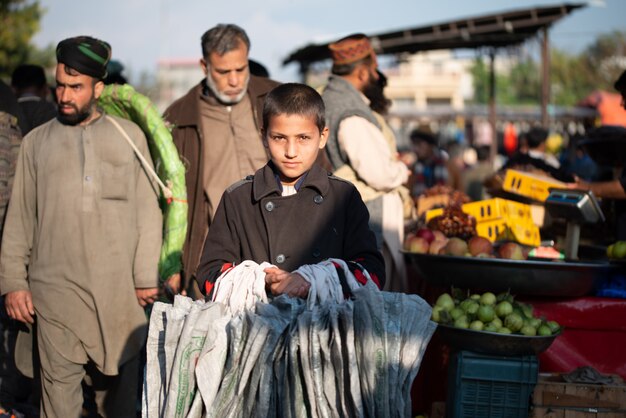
(81, 244)
(359, 151)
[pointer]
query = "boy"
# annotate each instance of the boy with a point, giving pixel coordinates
(291, 212)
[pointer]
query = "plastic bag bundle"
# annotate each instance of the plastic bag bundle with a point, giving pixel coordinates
(242, 287)
(244, 354)
(182, 384)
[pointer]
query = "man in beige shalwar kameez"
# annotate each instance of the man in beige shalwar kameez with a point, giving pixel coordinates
(81, 243)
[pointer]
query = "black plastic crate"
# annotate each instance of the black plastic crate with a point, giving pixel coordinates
(483, 386)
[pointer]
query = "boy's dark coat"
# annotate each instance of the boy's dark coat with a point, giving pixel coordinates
(325, 219)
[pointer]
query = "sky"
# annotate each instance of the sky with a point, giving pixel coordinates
(142, 32)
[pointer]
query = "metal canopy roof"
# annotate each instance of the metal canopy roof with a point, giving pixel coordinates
(495, 30)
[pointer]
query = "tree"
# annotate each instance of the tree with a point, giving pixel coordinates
(480, 78)
(569, 83)
(525, 82)
(19, 23)
(604, 60)
(572, 77)
(480, 81)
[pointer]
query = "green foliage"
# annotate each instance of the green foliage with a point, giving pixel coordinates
(507, 89)
(569, 81)
(480, 77)
(604, 59)
(572, 77)
(525, 82)
(19, 21)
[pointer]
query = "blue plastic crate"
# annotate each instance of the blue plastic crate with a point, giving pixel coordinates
(613, 287)
(490, 386)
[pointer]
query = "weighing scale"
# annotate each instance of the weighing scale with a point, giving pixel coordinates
(577, 207)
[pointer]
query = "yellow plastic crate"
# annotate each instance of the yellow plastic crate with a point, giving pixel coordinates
(530, 185)
(527, 234)
(492, 209)
(492, 230)
(425, 203)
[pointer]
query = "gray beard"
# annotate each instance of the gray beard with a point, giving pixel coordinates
(223, 98)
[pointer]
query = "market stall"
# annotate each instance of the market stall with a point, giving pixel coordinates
(470, 364)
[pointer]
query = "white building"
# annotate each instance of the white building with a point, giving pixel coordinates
(174, 79)
(429, 79)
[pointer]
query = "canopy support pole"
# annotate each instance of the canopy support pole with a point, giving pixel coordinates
(545, 77)
(492, 105)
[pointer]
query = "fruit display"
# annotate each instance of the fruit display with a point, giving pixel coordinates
(425, 241)
(499, 219)
(428, 241)
(456, 197)
(487, 312)
(439, 196)
(454, 223)
(617, 251)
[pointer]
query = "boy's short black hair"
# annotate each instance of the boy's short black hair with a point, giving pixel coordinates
(536, 137)
(294, 99)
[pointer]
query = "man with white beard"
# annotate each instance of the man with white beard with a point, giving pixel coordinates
(217, 130)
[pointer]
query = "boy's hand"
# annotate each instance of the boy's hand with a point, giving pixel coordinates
(282, 282)
(173, 286)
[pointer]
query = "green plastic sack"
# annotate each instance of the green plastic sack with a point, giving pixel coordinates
(124, 101)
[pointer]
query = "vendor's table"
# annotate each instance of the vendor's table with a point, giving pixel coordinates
(594, 334)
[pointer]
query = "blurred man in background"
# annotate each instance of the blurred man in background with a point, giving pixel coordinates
(431, 167)
(613, 189)
(15, 389)
(32, 92)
